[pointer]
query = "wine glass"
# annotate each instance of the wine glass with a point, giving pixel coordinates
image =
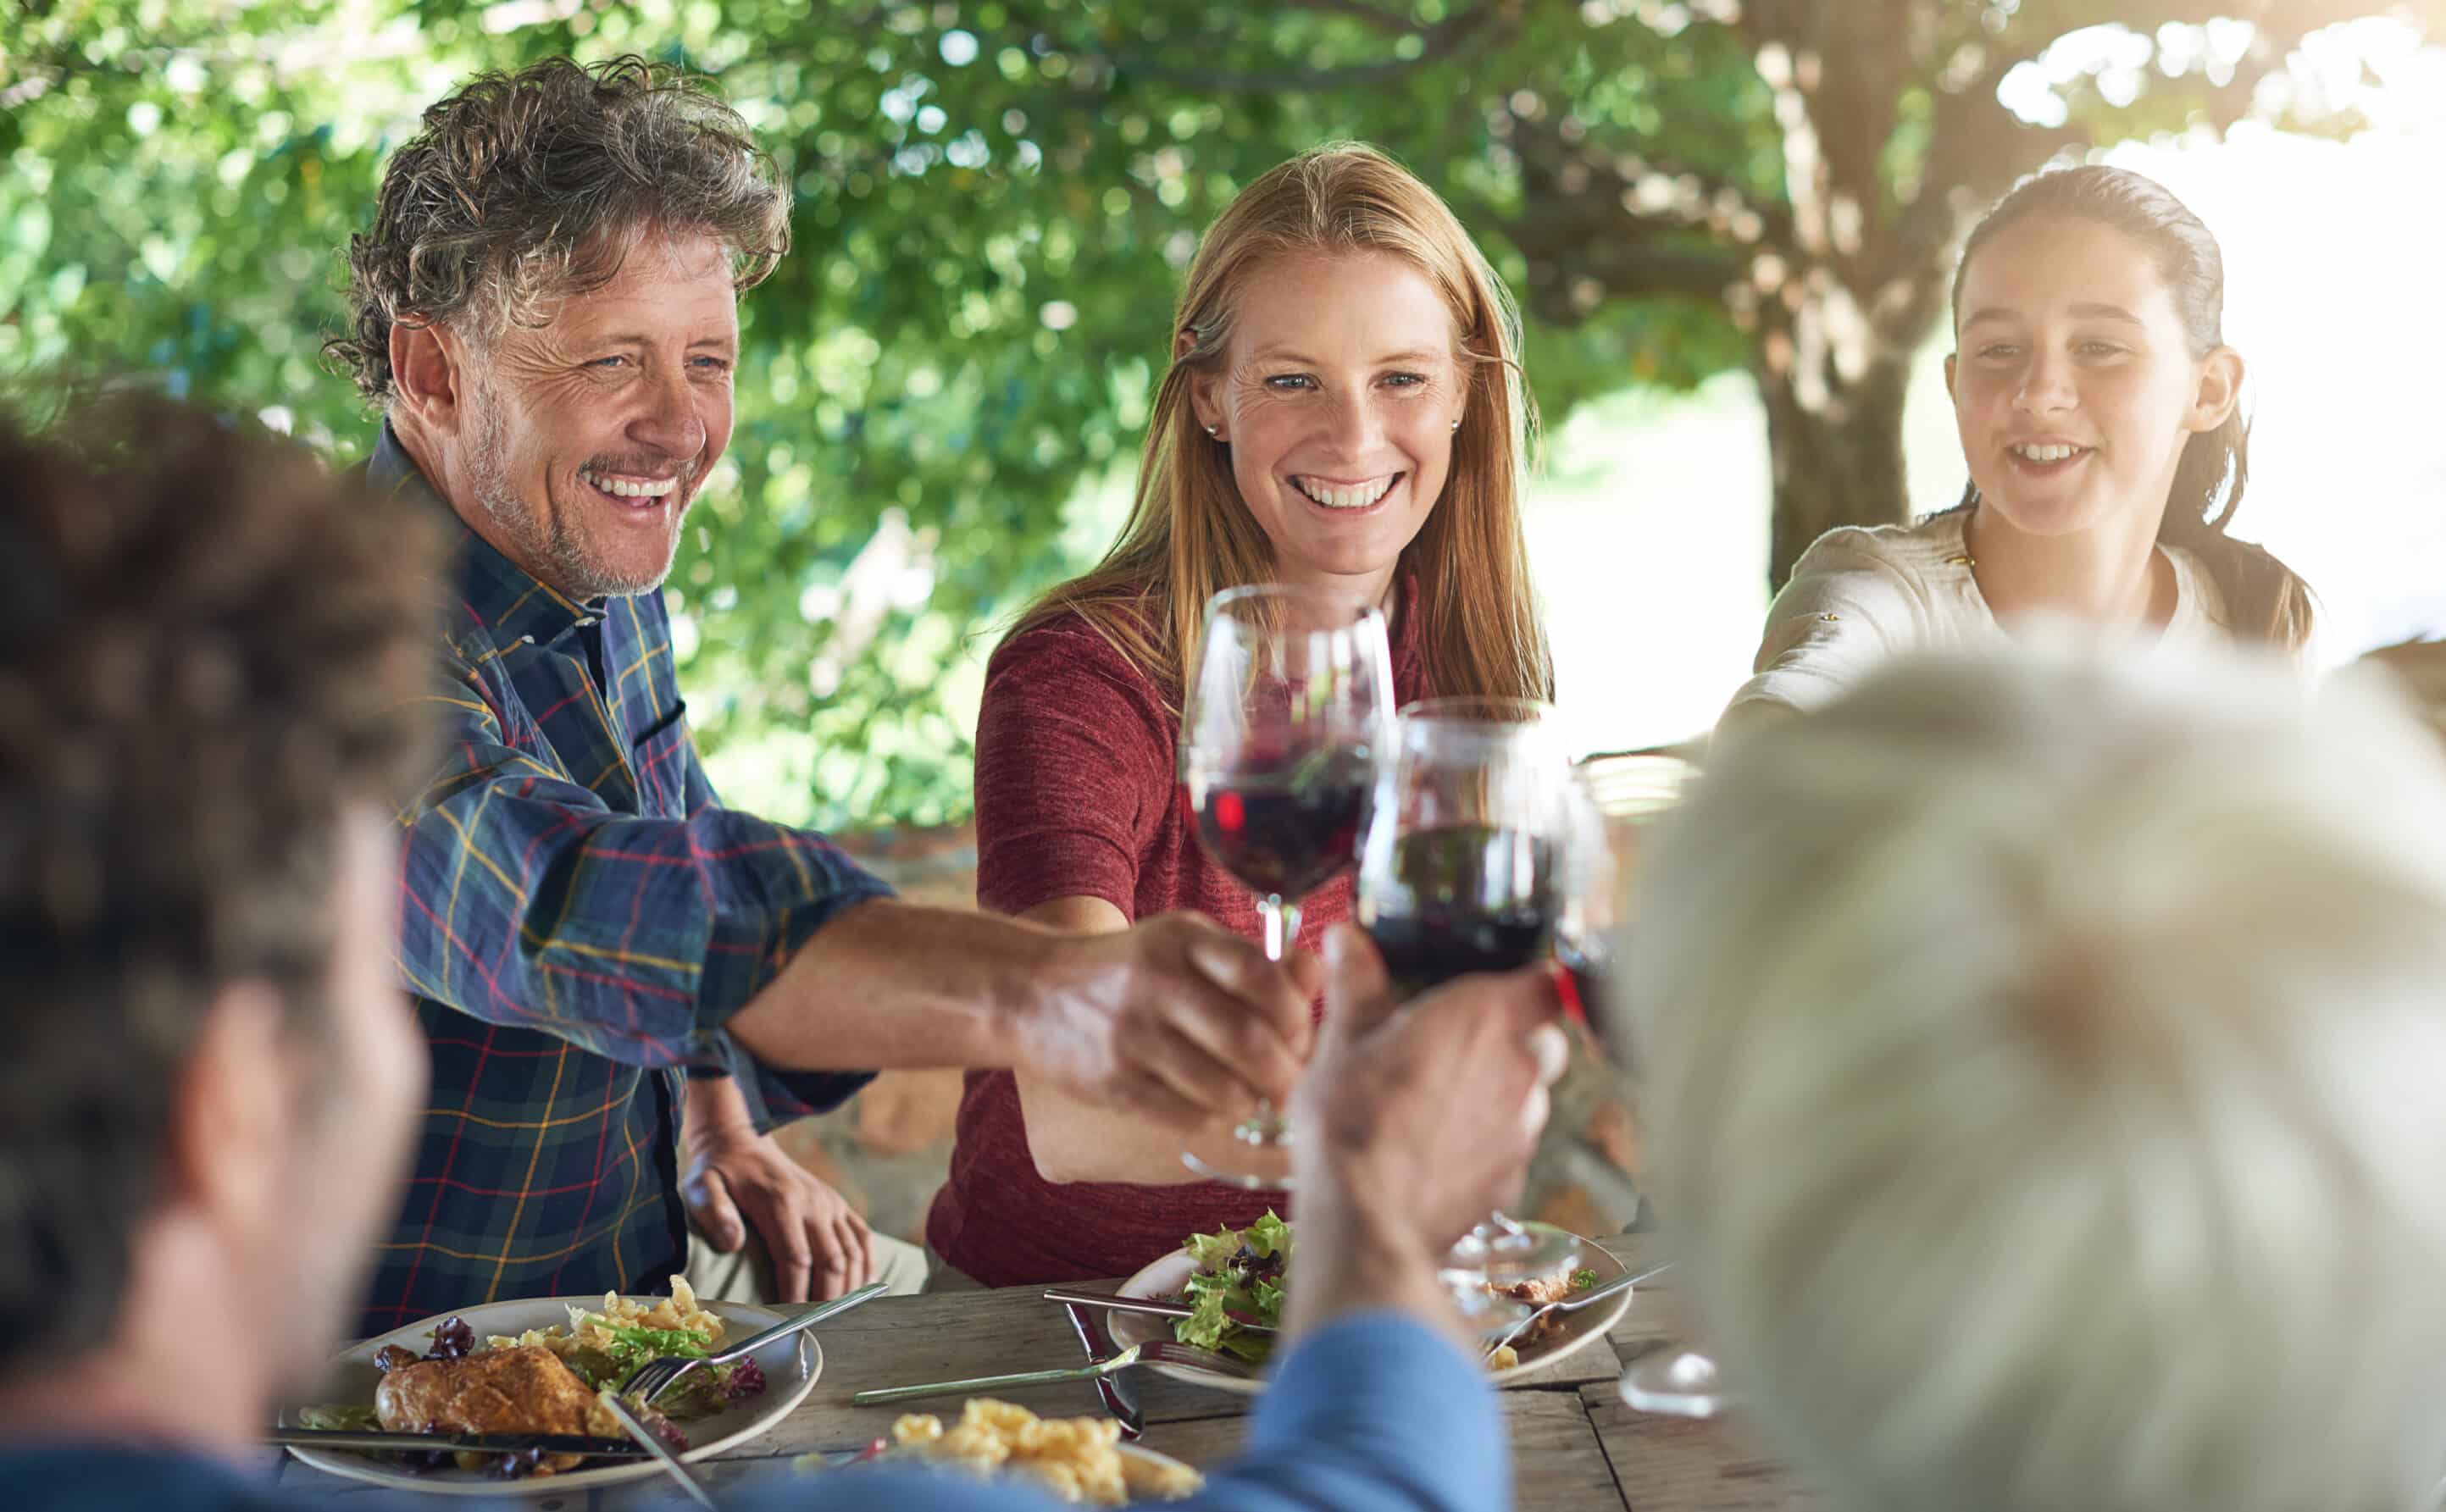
(1616, 798)
(1466, 867)
(1290, 705)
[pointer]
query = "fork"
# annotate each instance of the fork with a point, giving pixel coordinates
(1572, 1304)
(655, 1377)
(1155, 1353)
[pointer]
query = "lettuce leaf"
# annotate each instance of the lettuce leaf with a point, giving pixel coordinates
(1268, 1236)
(1268, 1298)
(1204, 1328)
(1211, 1252)
(339, 1415)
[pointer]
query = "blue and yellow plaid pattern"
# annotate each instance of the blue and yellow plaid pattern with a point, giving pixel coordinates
(578, 917)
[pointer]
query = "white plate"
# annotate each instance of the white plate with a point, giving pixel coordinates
(1167, 1277)
(791, 1367)
(1131, 1451)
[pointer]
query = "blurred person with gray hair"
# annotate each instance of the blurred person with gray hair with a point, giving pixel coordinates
(545, 311)
(2044, 1055)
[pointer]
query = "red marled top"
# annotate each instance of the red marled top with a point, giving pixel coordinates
(1078, 795)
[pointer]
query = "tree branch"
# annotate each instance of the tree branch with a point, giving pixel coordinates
(1392, 23)
(1436, 43)
(1549, 159)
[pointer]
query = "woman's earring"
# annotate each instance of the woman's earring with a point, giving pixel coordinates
(1210, 430)
(1455, 425)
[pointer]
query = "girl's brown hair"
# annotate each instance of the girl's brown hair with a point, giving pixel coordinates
(2266, 600)
(1189, 535)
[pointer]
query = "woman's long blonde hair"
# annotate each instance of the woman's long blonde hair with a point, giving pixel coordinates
(1190, 537)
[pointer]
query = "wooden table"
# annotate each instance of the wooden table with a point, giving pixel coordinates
(1574, 1444)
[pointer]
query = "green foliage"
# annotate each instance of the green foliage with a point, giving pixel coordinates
(992, 212)
(995, 199)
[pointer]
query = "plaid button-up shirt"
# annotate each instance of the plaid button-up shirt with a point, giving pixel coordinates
(578, 918)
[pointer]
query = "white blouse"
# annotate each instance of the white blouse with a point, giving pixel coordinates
(1862, 594)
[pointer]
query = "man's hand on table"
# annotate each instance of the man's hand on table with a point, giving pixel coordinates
(1176, 1018)
(1413, 1124)
(734, 1177)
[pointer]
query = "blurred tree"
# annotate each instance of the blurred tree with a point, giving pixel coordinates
(995, 199)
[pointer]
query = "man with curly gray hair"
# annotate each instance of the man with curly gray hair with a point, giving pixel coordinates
(545, 312)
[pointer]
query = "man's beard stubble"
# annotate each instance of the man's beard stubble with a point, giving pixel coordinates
(552, 550)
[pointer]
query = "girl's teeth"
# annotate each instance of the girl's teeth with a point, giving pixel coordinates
(622, 488)
(1358, 497)
(2046, 453)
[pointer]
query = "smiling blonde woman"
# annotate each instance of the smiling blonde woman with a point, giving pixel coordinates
(1345, 410)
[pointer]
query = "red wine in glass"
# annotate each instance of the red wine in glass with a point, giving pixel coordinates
(1451, 905)
(1466, 867)
(1289, 706)
(1582, 983)
(1284, 834)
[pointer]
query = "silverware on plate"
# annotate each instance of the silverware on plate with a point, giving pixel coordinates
(1119, 1393)
(1151, 1353)
(652, 1444)
(655, 1377)
(377, 1441)
(1572, 1304)
(1152, 1306)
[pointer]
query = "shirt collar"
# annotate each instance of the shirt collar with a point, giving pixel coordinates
(503, 596)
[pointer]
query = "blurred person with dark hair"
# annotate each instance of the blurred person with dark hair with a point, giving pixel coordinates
(211, 663)
(2042, 1056)
(546, 313)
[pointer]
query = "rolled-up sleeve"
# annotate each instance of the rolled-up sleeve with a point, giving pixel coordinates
(526, 901)
(1074, 768)
(1842, 614)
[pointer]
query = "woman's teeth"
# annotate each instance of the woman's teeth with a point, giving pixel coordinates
(631, 487)
(2046, 454)
(1356, 497)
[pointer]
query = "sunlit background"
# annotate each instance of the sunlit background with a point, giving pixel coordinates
(903, 477)
(1650, 515)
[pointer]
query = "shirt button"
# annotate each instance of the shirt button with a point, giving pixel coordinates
(1830, 618)
(1960, 561)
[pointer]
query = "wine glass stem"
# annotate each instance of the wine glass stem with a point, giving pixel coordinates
(1282, 925)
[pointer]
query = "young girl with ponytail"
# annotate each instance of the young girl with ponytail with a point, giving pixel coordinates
(2099, 414)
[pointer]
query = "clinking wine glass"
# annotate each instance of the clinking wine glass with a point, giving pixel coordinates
(1466, 865)
(1289, 706)
(1618, 798)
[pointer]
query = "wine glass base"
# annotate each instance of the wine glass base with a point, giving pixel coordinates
(1261, 1164)
(1678, 1383)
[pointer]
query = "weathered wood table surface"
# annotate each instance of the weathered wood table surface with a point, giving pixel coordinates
(1574, 1444)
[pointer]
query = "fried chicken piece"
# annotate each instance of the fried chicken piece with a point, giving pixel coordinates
(1537, 1293)
(526, 1389)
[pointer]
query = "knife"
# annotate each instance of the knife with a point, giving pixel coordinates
(370, 1438)
(1154, 1306)
(1119, 1393)
(647, 1441)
